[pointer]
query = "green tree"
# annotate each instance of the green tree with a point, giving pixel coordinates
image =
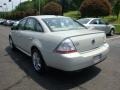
(24, 6)
(116, 8)
(22, 10)
(76, 4)
(38, 4)
(95, 8)
(112, 2)
(52, 8)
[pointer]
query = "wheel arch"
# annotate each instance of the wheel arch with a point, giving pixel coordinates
(112, 28)
(35, 47)
(10, 37)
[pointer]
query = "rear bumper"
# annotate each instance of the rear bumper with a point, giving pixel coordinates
(77, 61)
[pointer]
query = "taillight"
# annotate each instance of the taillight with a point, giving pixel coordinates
(66, 47)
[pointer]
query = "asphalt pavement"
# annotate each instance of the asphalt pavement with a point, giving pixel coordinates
(17, 73)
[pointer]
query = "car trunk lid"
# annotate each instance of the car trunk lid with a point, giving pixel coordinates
(88, 42)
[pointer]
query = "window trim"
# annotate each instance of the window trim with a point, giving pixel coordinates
(36, 21)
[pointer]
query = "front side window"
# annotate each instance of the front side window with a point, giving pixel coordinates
(62, 24)
(21, 24)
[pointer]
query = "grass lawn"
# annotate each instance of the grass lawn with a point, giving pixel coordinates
(117, 28)
(112, 19)
(72, 14)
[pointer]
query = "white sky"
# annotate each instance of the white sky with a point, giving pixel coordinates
(8, 7)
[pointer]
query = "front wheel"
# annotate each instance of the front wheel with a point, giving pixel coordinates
(11, 44)
(38, 62)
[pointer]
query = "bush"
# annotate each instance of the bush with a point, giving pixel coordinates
(52, 8)
(73, 14)
(117, 28)
(20, 14)
(95, 8)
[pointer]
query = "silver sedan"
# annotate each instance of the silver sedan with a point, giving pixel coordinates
(99, 24)
(58, 42)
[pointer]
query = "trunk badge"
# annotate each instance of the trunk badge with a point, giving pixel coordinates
(93, 42)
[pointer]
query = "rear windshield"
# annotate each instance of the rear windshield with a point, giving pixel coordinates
(83, 21)
(62, 24)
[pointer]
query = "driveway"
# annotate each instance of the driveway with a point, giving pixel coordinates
(17, 73)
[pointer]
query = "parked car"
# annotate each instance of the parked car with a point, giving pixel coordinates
(8, 22)
(58, 42)
(2, 21)
(99, 24)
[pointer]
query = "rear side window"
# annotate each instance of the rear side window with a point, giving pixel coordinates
(101, 22)
(38, 27)
(94, 21)
(83, 21)
(30, 24)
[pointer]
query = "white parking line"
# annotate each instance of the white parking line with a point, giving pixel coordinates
(113, 38)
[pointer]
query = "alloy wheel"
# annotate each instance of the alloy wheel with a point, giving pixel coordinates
(36, 61)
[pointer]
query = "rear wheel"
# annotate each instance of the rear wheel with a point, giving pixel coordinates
(112, 32)
(38, 62)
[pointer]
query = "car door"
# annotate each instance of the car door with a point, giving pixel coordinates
(17, 33)
(103, 25)
(98, 24)
(32, 29)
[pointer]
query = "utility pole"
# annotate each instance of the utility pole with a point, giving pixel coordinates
(2, 8)
(5, 7)
(11, 3)
(20, 3)
(1, 13)
(39, 7)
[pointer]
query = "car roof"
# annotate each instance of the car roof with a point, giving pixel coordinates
(47, 16)
(90, 18)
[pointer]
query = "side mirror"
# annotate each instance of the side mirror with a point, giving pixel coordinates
(14, 27)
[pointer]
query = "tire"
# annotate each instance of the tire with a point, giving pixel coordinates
(38, 62)
(112, 32)
(12, 46)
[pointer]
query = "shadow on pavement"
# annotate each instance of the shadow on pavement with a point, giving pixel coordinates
(53, 79)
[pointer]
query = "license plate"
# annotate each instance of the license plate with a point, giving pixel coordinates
(97, 58)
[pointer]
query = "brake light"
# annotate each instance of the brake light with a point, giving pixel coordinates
(66, 47)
